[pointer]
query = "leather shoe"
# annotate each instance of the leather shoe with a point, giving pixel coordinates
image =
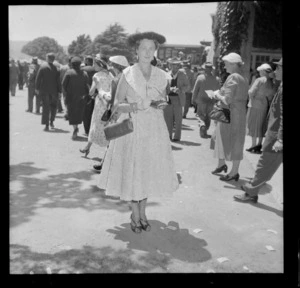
(46, 128)
(97, 167)
(176, 140)
(246, 198)
(229, 178)
(220, 169)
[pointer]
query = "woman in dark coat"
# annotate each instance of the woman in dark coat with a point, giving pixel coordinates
(76, 87)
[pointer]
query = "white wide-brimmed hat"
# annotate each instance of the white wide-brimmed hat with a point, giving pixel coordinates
(233, 58)
(264, 67)
(119, 59)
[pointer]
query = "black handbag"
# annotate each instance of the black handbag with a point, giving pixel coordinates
(118, 129)
(220, 114)
(107, 114)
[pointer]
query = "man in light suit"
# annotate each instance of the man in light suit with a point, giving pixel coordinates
(188, 100)
(271, 156)
(205, 81)
(178, 86)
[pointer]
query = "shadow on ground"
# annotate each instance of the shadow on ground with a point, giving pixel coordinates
(188, 143)
(193, 118)
(81, 139)
(187, 128)
(29, 192)
(57, 130)
(177, 244)
(265, 189)
(176, 148)
(86, 260)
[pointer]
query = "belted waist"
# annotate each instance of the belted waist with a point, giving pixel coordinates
(173, 94)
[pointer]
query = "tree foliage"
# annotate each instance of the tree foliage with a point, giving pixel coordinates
(80, 45)
(111, 42)
(40, 46)
(231, 29)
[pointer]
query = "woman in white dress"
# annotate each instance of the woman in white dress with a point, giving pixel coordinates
(102, 82)
(141, 163)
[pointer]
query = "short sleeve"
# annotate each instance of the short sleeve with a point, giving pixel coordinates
(95, 78)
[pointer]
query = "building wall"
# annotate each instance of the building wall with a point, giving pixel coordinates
(193, 51)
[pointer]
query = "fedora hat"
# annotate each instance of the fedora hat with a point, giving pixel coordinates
(174, 60)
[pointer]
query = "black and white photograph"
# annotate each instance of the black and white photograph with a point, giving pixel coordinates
(146, 139)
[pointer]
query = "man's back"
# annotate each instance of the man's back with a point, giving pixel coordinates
(47, 79)
(90, 70)
(13, 71)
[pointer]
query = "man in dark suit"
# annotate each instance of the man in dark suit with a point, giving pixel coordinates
(13, 77)
(271, 157)
(48, 86)
(32, 72)
(89, 105)
(179, 85)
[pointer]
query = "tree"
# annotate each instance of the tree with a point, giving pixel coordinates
(80, 45)
(40, 46)
(111, 42)
(231, 29)
(241, 25)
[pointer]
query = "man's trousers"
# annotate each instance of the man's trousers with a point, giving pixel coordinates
(31, 94)
(49, 107)
(173, 112)
(267, 165)
(188, 102)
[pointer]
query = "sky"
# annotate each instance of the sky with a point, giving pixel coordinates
(186, 23)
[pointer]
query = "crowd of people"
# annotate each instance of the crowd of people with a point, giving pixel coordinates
(156, 98)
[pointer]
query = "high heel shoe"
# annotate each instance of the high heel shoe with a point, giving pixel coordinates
(220, 169)
(85, 150)
(228, 178)
(257, 149)
(145, 225)
(250, 149)
(134, 227)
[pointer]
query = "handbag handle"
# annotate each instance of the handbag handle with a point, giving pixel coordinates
(112, 116)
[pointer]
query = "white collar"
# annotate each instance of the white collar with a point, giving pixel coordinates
(157, 81)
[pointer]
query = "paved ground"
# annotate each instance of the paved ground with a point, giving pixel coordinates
(60, 222)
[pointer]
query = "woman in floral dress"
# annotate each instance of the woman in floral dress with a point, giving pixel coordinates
(102, 82)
